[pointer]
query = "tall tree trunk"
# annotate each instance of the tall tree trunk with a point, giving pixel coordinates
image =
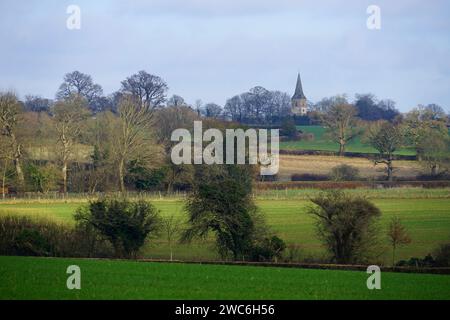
(341, 148)
(170, 181)
(390, 169)
(19, 172)
(121, 175)
(5, 168)
(64, 176)
(17, 161)
(66, 146)
(434, 169)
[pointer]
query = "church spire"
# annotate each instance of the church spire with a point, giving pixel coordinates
(298, 94)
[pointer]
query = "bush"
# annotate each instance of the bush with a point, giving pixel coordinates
(346, 225)
(308, 177)
(442, 256)
(148, 180)
(269, 249)
(289, 129)
(426, 262)
(430, 177)
(344, 172)
(125, 224)
(308, 136)
(293, 253)
(221, 203)
(41, 179)
(24, 236)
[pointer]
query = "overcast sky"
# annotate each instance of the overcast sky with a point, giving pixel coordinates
(214, 49)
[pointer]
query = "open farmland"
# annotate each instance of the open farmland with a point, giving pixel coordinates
(45, 278)
(321, 165)
(425, 213)
(323, 143)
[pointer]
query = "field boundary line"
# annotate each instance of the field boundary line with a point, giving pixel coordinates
(318, 266)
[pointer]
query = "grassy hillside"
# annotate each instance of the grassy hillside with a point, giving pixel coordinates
(321, 142)
(428, 221)
(40, 278)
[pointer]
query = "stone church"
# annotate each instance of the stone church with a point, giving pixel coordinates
(299, 106)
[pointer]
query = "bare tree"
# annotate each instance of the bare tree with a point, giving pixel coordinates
(398, 235)
(69, 117)
(234, 108)
(386, 138)
(176, 101)
(134, 137)
(37, 104)
(150, 89)
(422, 122)
(81, 84)
(212, 110)
(172, 228)
(435, 153)
(168, 120)
(172, 118)
(198, 106)
(258, 99)
(341, 123)
(10, 118)
(258, 105)
(279, 106)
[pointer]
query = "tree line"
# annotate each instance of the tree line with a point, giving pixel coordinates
(423, 129)
(78, 138)
(87, 142)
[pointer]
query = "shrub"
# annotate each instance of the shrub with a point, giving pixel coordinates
(24, 236)
(439, 258)
(426, 262)
(442, 255)
(293, 253)
(397, 235)
(125, 224)
(430, 177)
(308, 177)
(289, 129)
(308, 136)
(269, 249)
(221, 203)
(145, 179)
(346, 225)
(42, 179)
(344, 172)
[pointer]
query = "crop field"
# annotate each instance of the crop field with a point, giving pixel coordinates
(321, 142)
(322, 165)
(425, 213)
(45, 278)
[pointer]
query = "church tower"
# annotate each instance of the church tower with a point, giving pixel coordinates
(298, 100)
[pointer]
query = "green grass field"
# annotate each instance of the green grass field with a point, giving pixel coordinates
(425, 213)
(45, 278)
(321, 143)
